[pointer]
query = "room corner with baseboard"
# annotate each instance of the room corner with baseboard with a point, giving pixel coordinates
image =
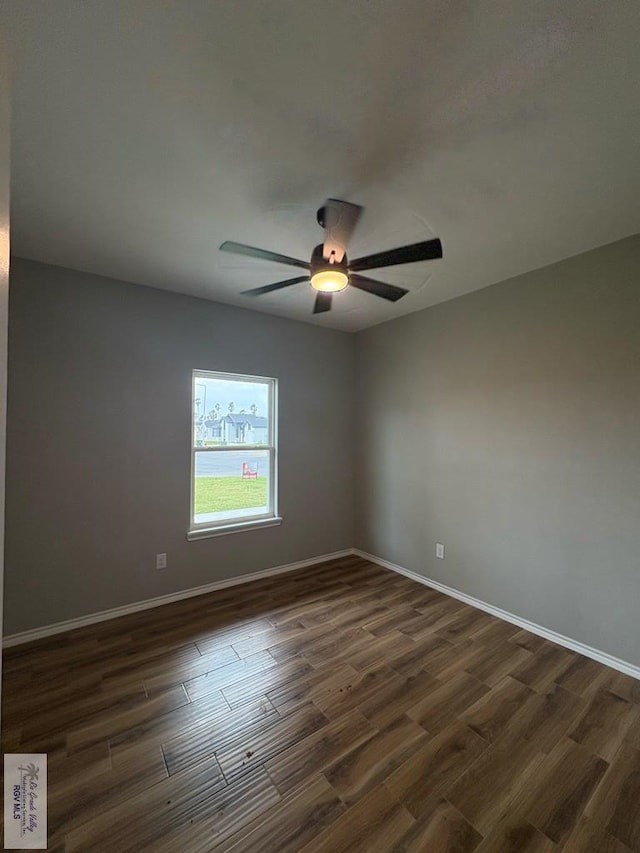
(108, 498)
(505, 425)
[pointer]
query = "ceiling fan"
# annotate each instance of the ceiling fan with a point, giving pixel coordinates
(329, 269)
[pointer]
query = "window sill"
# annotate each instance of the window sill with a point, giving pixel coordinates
(224, 530)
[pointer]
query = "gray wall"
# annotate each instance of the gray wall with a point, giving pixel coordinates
(99, 434)
(506, 425)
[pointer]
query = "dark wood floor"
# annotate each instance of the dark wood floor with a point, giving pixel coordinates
(339, 708)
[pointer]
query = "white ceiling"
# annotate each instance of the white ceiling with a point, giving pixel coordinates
(145, 133)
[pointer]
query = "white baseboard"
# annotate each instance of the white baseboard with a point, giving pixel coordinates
(113, 613)
(547, 633)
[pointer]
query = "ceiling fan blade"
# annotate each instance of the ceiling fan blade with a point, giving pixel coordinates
(262, 254)
(340, 220)
(322, 303)
(378, 288)
(425, 251)
(268, 288)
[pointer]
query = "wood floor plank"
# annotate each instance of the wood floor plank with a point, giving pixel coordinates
(459, 629)
(359, 615)
(247, 646)
(604, 724)
(239, 692)
(157, 729)
(293, 822)
(442, 829)
(379, 649)
(440, 707)
(548, 717)
(234, 632)
(434, 767)
(322, 615)
(337, 644)
(584, 676)
(632, 735)
(47, 725)
(417, 658)
(107, 727)
(395, 698)
(254, 748)
(214, 732)
(624, 686)
(76, 801)
(364, 765)
(377, 822)
(484, 791)
(153, 661)
(531, 642)
(303, 609)
(296, 646)
(417, 596)
(448, 661)
(495, 632)
(221, 660)
(198, 795)
(366, 684)
(513, 833)
(289, 695)
(614, 806)
(319, 750)
(589, 838)
(565, 784)
(393, 620)
(490, 664)
(490, 715)
(79, 768)
(547, 665)
(201, 678)
(435, 617)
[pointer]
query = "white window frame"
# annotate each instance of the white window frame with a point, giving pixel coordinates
(205, 529)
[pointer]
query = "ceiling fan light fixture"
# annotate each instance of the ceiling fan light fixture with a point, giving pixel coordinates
(327, 274)
(329, 280)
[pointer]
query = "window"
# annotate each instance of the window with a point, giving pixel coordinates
(233, 464)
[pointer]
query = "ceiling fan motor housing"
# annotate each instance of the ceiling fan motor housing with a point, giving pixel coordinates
(326, 217)
(320, 263)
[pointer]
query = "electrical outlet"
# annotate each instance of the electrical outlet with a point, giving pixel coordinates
(439, 551)
(161, 561)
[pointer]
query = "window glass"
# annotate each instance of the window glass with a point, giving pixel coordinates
(233, 449)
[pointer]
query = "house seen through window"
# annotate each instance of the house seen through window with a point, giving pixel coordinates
(233, 477)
